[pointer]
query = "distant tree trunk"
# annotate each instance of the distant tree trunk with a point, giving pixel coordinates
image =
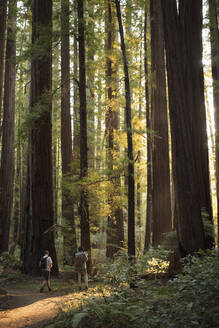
(99, 127)
(214, 36)
(115, 229)
(41, 135)
(138, 191)
(84, 209)
(161, 205)
(148, 126)
(91, 86)
(26, 240)
(70, 242)
(7, 155)
(183, 28)
(3, 14)
(17, 203)
(76, 126)
(131, 178)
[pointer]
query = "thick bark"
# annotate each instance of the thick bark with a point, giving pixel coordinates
(191, 13)
(185, 85)
(3, 14)
(7, 155)
(161, 205)
(70, 243)
(128, 118)
(84, 209)
(26, 240)
(148, 126)
(41, 135)
(91, 85)
(76, 141)
(115, 229)
(214, 37)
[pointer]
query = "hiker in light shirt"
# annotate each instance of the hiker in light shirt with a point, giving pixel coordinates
(46, 266)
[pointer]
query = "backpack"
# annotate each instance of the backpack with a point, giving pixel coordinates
(43, 262)
(78, 261)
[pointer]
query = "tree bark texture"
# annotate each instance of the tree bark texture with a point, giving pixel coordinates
(149, 150)
(90, 86)
(214, 38)
(161, 204)
(7, 155)
(70, 242)
(41, 135)
(3, 14)
(128, 118)
(84, 209)
(187, 114)
(115, 231)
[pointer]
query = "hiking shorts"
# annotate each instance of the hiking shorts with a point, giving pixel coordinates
(46, 274)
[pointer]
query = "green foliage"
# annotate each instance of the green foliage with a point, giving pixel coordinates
(188, 300)
(170, 241)
(10, 261)
(121, 270)
(208, 225)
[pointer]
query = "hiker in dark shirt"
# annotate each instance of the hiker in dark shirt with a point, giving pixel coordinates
(81, 258)
(46, 266)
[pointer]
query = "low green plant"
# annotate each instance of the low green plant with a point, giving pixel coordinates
(189, 300)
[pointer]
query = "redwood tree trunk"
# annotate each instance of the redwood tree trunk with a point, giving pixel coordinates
(41, 135)
(183, 49)
(115, 231)
(161, 205)
(84, 210)
(128, 118)
(214, 36)
(7, 155)
(3, 14)
(70, 243)
(148, 126)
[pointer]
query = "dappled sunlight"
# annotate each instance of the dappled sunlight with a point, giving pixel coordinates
(78, 299)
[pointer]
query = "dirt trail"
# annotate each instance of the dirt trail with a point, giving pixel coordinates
(30, 309)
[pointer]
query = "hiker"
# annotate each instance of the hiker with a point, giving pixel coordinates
(81, 258)
(46, 265)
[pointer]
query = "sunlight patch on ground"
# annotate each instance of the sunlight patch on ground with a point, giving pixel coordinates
(78, 299)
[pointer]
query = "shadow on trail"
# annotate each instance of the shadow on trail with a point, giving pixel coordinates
(25, 290)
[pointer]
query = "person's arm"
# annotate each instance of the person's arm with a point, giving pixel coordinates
(50, 263)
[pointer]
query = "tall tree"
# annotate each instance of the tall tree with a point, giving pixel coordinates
(3, 14)
(148, 126)
(161, 205)
(214, 37)
(183, 28)
(70, 243)
(7, 155)
(128, 119)
(90, 85)
(84, 209)
(41, 133)
(115, 229)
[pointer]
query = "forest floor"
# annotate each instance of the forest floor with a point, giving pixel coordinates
(22, 304)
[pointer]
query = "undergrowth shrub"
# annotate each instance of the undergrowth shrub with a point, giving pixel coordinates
(121, 270)
(189, 300)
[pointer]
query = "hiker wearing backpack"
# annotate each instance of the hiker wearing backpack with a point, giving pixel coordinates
(81, 258)
(46, 265)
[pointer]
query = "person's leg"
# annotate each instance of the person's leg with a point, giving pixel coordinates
(43, 285)
(44, 281)
(86, 280)
(48, 281)
(79, 280)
